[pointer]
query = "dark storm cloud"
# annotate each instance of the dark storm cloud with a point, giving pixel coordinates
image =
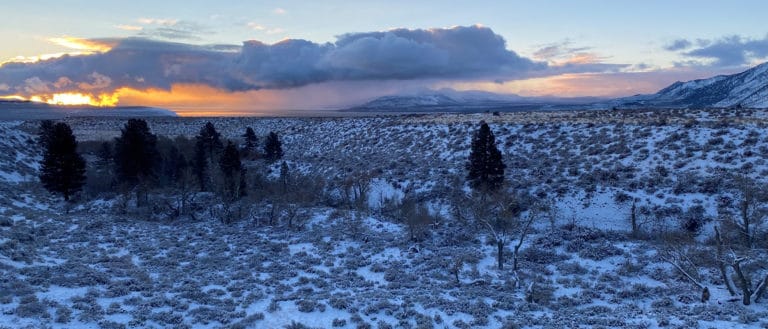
(455, 53)
(729, 51)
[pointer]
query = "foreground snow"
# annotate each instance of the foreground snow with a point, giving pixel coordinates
(92, 268)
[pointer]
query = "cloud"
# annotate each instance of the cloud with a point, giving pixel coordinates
(679, 44)
(458, 53)
(730, 51)
(563, 58)
(279, 11)
(85, 45)
(158, 21)
(558, 51)
(178, 30)
(256, 26)
(126, 27)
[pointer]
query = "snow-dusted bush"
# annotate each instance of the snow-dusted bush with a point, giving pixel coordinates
(106, 324)
(599, 251)
(31, 307)
(63, 314)
(541, 256)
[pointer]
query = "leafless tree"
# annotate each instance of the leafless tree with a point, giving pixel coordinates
(356, 187)
(739, 260)
(748, 211)
(501, 216)
(416, 216)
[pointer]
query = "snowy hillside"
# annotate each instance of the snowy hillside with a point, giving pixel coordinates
(449, 100)
(746, 89)
(99, 265)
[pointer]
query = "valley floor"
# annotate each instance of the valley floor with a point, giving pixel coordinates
(94, 267)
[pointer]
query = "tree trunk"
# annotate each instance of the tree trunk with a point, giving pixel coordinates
(500, 246)
(761, 289)
(745, 289)
(746, 221)
(633, 218)
(721, 264)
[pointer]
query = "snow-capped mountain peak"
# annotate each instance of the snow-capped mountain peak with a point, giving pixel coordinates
(746, 89)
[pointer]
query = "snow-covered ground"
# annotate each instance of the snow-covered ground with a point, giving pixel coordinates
(92, 267)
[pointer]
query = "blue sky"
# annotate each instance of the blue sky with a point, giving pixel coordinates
(603, 48)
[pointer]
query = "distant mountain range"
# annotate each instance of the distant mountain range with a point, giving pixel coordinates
(745, 89)
(449, 100)
(25, 110)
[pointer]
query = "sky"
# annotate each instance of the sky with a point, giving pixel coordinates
(203, 56)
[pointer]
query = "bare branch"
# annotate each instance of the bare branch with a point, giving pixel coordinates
(671, 259)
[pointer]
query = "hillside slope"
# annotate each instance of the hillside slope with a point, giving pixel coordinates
(745, 89)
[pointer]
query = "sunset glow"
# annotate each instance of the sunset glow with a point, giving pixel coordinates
(84, 45)
(78, 46)
(74, 99)
(252, 56)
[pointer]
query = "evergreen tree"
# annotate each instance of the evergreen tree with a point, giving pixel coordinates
(251, 141)
(200, 167)
(104, 154)
(210, 139)
(45, 133)
(63, 169)
(273, 149)
(232, 170)
(207, 148)
(136, 156)
(174, 164)
(485, 166)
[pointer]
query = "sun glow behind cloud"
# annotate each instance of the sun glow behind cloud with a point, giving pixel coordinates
(71, 99)
(77, 46)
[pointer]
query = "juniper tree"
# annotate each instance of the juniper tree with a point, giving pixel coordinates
(174, 165)
(104, 154)
(136, 156)
(210, 139)
(273, 149)
(45, 133)
(485, 166)
(251, 140)
(62, 169)
(232, 171)
(207, 148)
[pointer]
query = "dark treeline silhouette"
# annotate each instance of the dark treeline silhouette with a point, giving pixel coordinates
(154, 172)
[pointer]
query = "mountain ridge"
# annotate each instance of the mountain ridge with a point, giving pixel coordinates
(473, 101)
(745, 89)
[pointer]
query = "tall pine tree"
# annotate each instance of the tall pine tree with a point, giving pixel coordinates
(63, 169)
(485, 166)
(273, 149)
